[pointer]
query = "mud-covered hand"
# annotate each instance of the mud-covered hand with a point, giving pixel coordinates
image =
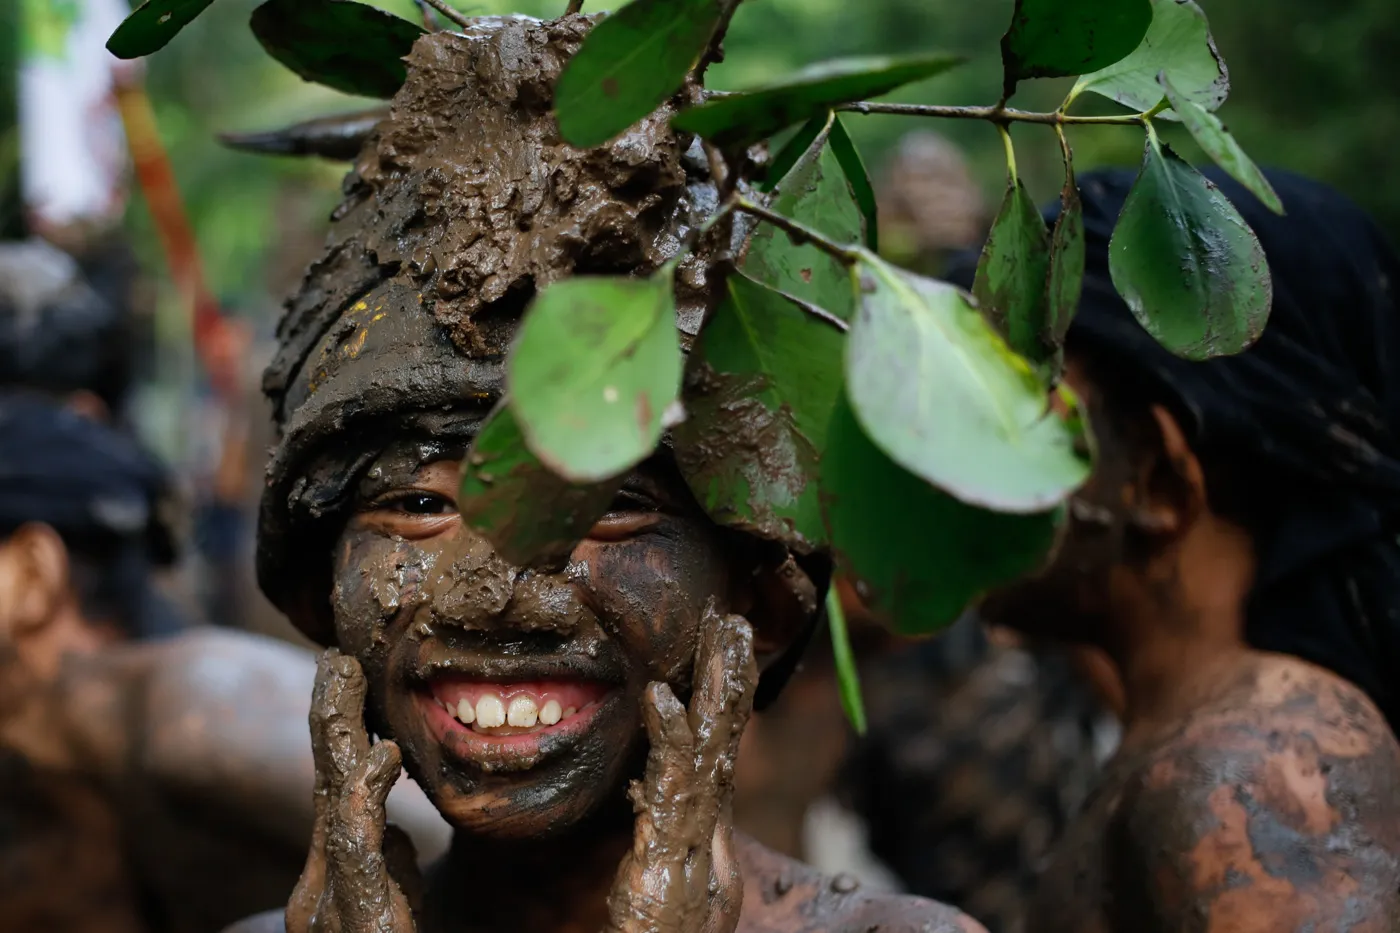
(682, 875)
(360, 873)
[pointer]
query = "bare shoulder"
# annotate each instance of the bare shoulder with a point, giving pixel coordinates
(1272, 809)
(782, 895)
(270, 922)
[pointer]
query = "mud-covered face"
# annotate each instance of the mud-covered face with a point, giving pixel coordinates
(516, 695)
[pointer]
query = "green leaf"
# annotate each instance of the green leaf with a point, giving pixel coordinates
(151, 25)
(940, 392)
(1212, 136)
(349, 46)
(1059, 38)
(1011, 275)
(1066, 282)
(814, 192)
(917, 554)
(595, 372)
(737, 120)
(795, 148)
(847, 677)
(856, 176)
(1178, 43)
(527, 512)
(629, 64)
(762, 383)
(1187, 264)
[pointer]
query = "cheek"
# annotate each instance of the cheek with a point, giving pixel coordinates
(375, 577)
(652, 592)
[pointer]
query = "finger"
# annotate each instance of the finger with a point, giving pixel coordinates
(338, 737)
(726, 677)
(663, 829)
(356, 869)
(728, 879)
(301, 906)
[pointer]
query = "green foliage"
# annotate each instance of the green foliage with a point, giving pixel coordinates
(630, 63)
(1066, 283)
(817, 193)
(1188, 265)
(349, 46)
(1179, 44)
(151, 25)
(1011, 275)
(916, 553)
(939, 391)
(595, 372)
(859, 179)
(1212, 136)
(1060, 38)
(762, 384)
(529, 513)
(847, 677)
(736, 120)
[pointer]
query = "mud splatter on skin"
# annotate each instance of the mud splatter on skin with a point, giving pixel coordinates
(624, 613)
(1271, 807)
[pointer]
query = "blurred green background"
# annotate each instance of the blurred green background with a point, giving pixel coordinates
(1314, 89)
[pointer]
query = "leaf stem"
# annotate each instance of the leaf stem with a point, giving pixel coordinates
(847, 677)
(456, 16)
(1005, 133)
(1003, 115)
(573, 7)
(800, 233)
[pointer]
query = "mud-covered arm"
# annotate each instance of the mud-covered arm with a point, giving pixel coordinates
(1260, 826)
(220, 717)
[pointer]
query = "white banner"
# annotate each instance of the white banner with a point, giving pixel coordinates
(73, 156)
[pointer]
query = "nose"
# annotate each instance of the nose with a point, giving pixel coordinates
(473, 588)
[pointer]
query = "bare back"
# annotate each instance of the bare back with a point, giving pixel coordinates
(1273, 806)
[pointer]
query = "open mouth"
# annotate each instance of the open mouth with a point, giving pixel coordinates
(509, 726)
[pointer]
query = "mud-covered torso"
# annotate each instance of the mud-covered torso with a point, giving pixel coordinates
(1272, 807)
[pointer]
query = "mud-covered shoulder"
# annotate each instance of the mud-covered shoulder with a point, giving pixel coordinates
(782, 895)
(1275, 810)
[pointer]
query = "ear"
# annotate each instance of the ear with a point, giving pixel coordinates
(33, 578)
(1171, 491)
(779, 599)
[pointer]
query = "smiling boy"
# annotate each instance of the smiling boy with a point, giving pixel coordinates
(525, 700)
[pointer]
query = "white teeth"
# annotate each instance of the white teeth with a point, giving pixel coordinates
(465, 711)
(522, 712)
(550, 713)
(490, 711)
(569, 712)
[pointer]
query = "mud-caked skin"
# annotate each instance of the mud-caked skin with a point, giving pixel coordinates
(423, 605)
(1271, 807)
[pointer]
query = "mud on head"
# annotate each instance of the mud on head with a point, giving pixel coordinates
(514, 692)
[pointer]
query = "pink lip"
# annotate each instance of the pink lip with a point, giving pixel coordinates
(503, 752)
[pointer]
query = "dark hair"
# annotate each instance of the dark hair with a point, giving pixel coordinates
(58, 334)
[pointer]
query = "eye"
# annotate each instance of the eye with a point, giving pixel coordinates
(419, 503)
(631, 500)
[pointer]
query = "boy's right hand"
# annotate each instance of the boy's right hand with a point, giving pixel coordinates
(359, 868)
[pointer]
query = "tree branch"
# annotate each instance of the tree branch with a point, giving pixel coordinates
(573, 7)
(1001, 115)
(455, 16)
(800, 233)
(430, 21)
